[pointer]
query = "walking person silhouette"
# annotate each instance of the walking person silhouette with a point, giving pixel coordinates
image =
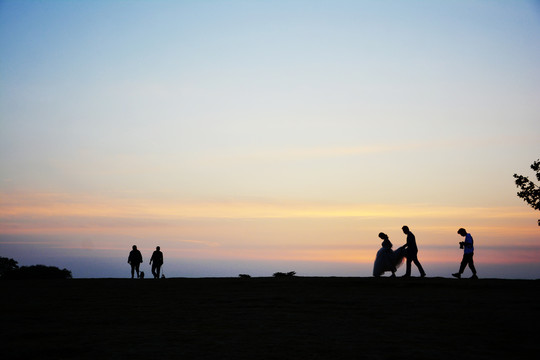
(468, 252)
(412, 253)
(156, 261)
(135, 260)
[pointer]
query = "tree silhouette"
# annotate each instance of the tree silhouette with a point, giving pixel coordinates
(7, 265)
(530, 192)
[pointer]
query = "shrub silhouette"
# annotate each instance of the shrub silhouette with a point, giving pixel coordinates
(280, 274)
(38, 272)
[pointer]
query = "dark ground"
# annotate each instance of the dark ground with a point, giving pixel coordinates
(270, 318)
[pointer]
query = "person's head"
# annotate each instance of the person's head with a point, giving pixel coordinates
(405, 229)
(134, 247)
(157, 247)
(462, 232)
(383, 236)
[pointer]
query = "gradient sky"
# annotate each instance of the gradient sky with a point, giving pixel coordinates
(263, 136)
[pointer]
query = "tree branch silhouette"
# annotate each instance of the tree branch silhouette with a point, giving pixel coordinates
(529, 191)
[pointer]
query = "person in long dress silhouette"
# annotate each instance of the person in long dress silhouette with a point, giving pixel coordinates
(387, 259)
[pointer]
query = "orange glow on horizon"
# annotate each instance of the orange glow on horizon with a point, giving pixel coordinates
(262, 230)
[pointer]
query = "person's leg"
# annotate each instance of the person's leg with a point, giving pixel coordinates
(464, 262)
(137, 270)
(408, 269)
(158, 270)
(132, 270)
(419, 266)
(470, 262)
(154, 270)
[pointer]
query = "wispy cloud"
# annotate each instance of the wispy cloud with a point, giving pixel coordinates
(318, 152)
(30, 212)
(76, 205)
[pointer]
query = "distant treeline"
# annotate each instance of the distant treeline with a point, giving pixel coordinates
(9, 269)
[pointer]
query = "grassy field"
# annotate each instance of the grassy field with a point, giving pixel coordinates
(270, 318)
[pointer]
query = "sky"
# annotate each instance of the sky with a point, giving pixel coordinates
(262, 136)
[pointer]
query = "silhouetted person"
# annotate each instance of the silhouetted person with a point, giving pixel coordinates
(135, 260)
(156, 261)
(387, 259)
(468, 252)
(412, 253)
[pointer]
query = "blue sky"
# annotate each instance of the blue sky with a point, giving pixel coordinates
(119, 113)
